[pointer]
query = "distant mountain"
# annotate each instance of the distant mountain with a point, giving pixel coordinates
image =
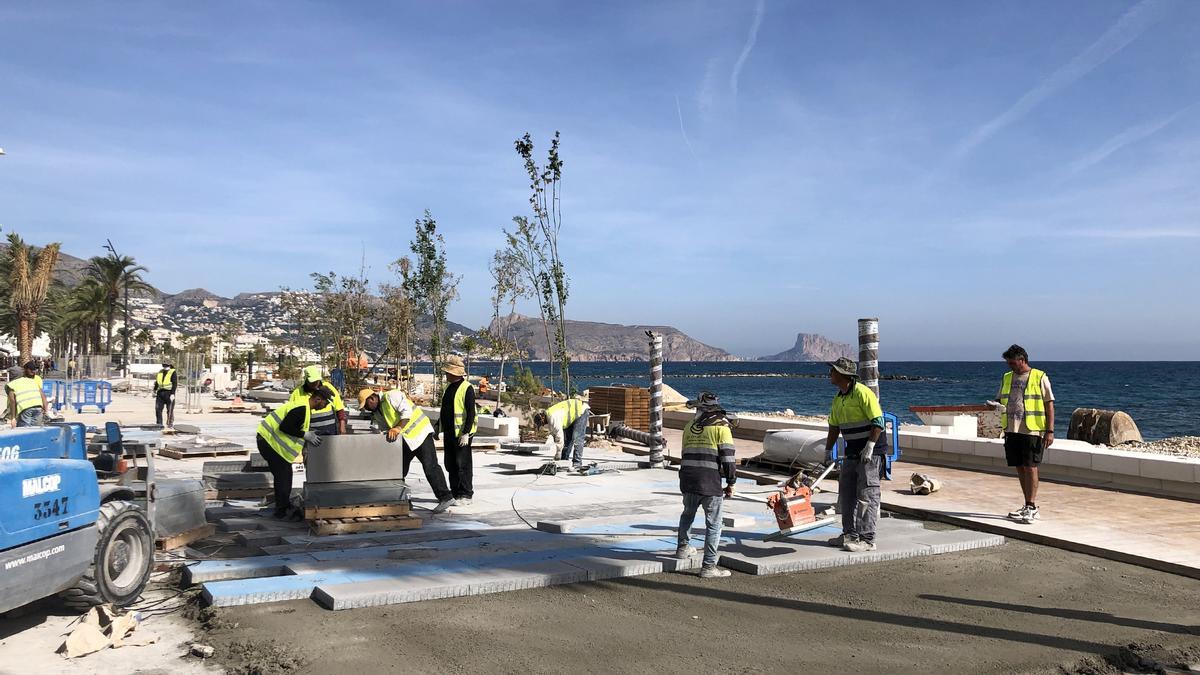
(811, 347)
(593, 341)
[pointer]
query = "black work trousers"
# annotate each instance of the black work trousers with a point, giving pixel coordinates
(426, 454)
(162, 400)
(458, 466)
(281, 473)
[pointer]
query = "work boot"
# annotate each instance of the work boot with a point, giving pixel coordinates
(713, 572)
(686, 551)
(838, 541)
(859, 546)
(1031, 514)
(443, 505)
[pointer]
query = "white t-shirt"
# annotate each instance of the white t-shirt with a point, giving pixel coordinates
(404, 406)
(1016, 403)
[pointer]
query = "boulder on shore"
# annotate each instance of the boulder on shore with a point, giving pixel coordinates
(1103, 427)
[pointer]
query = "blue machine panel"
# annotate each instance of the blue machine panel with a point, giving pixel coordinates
(47, 485)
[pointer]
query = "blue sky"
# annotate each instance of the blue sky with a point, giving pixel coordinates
(972, 173)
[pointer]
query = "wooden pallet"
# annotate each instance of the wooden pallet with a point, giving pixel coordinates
(179, 453)
(238, 493)
(186, 537)
(357, 511)
(354, 525)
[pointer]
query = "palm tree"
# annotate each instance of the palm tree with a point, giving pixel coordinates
(29, 273)
(115, 274)
(83, 313)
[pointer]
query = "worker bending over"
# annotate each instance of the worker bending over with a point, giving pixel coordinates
(568, 422)
(855, 415)
(164, 394)
(331, 419)
(27, 405)
(457, 422)
(395, 414)
(281, 439)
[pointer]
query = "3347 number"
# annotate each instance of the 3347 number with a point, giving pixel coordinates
(51, 508)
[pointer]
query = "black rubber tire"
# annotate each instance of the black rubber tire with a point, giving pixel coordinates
(123, 562)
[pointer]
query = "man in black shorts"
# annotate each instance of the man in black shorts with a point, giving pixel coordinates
(1026, 402)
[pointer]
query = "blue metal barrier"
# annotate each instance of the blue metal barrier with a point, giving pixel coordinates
(891, 437)
(90, 392)
(56, 393)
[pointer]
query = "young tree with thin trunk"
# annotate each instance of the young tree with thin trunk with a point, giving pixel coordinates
(433, 286)
(398, 317)
(545, 184)
(528, 254)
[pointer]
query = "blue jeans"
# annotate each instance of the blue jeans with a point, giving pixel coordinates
(30, 417)
(712, 523)
(573, 438)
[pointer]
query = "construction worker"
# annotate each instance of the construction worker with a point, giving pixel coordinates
(281, 439)
(855, 415)
(1028, 422)
(395, 414)
(164, 393)
(331, 419)
(568, 422)
(708, 460)
(457, 423)
(27, 405)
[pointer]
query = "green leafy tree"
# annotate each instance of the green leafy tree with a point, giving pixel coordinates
(398, 314)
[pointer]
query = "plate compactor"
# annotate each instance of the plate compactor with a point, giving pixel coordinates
(69, 525)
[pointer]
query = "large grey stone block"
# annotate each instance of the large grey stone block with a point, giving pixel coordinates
(354, 457)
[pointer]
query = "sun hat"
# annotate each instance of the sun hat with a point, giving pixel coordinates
(845, 366)
(454, 366)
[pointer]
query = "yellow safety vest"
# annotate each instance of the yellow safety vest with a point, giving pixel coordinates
(165, 378)
(571, 409)
(27, 392)
(418, 425)
(289, 447)
(323, 419)
(1035, 407)
(460, 411)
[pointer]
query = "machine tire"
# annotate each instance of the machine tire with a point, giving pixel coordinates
(123, 562)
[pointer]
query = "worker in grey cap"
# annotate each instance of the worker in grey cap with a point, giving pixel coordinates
(707, 474)
(855, 415)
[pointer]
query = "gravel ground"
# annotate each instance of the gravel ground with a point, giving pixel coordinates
(1179, 446)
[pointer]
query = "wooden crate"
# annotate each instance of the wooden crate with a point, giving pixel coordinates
(628, 405)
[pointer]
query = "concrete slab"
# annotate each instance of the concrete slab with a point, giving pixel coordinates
(347, 493)
(354, 457)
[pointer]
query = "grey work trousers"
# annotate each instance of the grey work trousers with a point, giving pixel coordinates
(858, 497)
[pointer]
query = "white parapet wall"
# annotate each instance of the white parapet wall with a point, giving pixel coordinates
(1067, 461)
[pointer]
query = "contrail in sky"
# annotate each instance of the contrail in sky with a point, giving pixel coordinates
(683, 131)
(1126, 137)
(1127, 29)
(759, 10)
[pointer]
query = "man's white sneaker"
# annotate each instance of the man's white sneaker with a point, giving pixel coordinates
(1031, 514)
(462, 501)
(443, 505)
(1019, 513)
(685, 552)
(713, 573)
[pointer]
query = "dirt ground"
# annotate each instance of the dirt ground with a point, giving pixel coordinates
(1014, 608)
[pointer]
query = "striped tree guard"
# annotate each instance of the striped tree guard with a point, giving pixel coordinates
(656, 399)
(868, 353)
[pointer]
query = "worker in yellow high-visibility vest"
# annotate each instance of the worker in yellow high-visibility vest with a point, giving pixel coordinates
(281, 438)
(330, 420)
(27, 405)
(568, 422)
(165, 382)
(1026, 402)
(394, 413)
(457, 422)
